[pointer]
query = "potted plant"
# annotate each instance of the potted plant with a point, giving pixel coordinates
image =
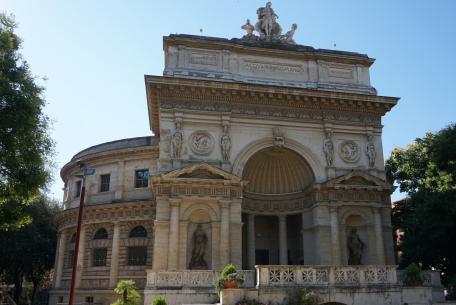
(229, 278)
(413, 275)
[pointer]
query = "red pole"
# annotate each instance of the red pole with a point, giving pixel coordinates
(76, 244)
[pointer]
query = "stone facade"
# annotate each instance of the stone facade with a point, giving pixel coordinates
(272, 153)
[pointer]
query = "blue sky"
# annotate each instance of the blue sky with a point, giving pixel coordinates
(94, 55)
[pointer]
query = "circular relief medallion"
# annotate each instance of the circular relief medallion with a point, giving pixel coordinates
(349, 151)
(201, 142)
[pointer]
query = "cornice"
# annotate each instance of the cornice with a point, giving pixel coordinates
(151, 152)
(169, 92)
(266, 49)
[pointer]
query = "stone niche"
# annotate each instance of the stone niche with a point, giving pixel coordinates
(199, 219)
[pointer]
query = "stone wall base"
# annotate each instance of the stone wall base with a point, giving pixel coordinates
(391, 295)
(182, 296)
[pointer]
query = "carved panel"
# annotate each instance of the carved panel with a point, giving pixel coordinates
(201, 142)
(349, 151)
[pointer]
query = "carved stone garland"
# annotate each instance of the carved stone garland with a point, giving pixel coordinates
(177, 139)
(225, 142)
(328, 148)
(370, 150)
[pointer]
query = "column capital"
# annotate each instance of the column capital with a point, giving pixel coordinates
(333, 209)
(251, 216)
(225, 203)
(282, 217)
(175, 201)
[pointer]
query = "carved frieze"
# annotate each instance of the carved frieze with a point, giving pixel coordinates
(201, 142)
(349, 151)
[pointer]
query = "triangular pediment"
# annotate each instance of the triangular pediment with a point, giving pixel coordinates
(357, 179)
(201, 171)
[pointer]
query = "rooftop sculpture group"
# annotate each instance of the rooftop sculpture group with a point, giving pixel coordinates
(268, 27)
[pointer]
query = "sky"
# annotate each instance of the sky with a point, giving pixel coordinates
(91, 56)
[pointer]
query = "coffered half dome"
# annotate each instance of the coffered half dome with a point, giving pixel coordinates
(277, 171)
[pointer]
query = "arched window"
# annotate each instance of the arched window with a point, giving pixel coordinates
(73, 238)
(138, 231)
(101, 234)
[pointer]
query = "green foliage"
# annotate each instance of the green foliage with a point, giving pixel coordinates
(426, 170)
(127, 290)
(304, 296)
(25, 146)
(229, 269)
(30, 251)
(159, 300)
(228, 274)
(413, 275)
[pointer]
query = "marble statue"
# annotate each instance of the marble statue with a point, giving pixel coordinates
(328, 148)
(288, 37)
(176, 141)
(249, 28)
(370, 150)
(225, 144)
(267, 25)
(355, 248)
(199, 242)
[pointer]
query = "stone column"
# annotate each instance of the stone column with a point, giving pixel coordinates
(380, 249)
(60, 259)
(113, 272)
(173, 248)
(225, 233)
(183, 233)
(81, 257)
(251, 241)
(283, 245)
(215, 251)
(335, 241)
(161, 234)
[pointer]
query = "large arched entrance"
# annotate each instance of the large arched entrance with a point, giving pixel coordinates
(279, 182)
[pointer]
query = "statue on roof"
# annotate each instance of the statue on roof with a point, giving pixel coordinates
(268, 27)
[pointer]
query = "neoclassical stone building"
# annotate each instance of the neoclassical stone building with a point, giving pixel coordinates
(263, 153)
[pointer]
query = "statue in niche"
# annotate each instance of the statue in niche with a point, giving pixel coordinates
(176, 141)
(267, 25)
(370, 150)
(199, 242)
(225, 143)
(355, 248)
(328, 148)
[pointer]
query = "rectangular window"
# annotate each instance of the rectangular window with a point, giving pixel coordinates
(89, 300)
(99, 257)
(60, 299)
(104, 182)
(137, 256)
(69, 259)
(77, 191)
(142, 178)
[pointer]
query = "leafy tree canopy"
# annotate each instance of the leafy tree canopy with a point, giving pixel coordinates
(426, 170)
(29, 252)
(25, 145)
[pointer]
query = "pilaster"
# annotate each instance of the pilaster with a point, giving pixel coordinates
(225, 232)
(173, 247)
(114, 270)
(60, 259)
(283, 245)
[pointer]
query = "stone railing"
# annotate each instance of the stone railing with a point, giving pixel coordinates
(191, 279)
(280, 276)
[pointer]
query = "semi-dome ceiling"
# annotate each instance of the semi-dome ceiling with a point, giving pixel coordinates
(277, 171)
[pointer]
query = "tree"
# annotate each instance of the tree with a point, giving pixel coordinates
(29, 252)
(25, 145)
(127, 290)
(426, 170)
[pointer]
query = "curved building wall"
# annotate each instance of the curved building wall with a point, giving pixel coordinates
(116, 204)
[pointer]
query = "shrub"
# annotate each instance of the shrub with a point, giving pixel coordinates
(127, 290)
(228, 274)
(159, 300)
(413, 275)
